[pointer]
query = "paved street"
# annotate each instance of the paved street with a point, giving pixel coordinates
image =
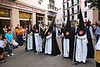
(31, 59)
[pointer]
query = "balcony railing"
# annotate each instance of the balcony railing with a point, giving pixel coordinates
(75, 11)
(52, 7)
(75, 2)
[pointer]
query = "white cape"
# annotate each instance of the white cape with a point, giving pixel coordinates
(38, 42)
(48, 45)
(66, 47)
(81, 48)
(29, 41)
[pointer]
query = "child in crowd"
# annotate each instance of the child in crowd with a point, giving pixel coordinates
(2, 50)
(9, 40)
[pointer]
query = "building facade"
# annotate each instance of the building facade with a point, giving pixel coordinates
(13, 12)
(60, 16)
(74, 7)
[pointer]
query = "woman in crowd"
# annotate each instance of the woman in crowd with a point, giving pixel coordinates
(2, 50)
(97, 53)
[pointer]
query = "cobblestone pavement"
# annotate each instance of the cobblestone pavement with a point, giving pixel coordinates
(31, 59)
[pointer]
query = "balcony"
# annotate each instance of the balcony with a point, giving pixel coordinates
(52, 7)
(75, 2)
(70, 5)
(75, 11)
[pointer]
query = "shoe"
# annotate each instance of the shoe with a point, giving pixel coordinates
(37, 52)
(12, 54)
(8, 55)
(3, 61)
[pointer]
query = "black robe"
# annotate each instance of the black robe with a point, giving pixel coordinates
(41, 33)
(62, 31)
(34, 47)
(90, 45)
(71, 41)
(55, 48)
(90, 51)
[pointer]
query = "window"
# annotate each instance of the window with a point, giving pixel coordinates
(78, 8)
(39, 2)
(72, 3)
(85, 4)
(72, 10)
(73, 17)
(67, 5)
(85, 15)
(78, 1)
(4, 12)
(65, 0)
(77, 16)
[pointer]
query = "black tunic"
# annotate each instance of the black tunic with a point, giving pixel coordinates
(90, 45)
(71, 37)
(55, 48)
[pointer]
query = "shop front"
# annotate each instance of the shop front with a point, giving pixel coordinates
(5, 19)
(24, 18)
(51, 16)
(40, 18)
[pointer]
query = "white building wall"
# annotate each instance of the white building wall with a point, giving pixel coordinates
(44, 4)
(59, 16)
(86, 9)
(83, 9)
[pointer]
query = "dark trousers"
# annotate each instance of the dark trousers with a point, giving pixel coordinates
(97, 64)
(20, 40)
(9, 48)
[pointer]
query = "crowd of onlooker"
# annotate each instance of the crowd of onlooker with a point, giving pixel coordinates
(9, 41)
(96, 31)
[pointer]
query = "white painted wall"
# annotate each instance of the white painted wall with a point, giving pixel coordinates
(44, 4)
(84, 9)
(59, 16)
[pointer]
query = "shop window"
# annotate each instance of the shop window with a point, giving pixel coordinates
(23, 15)
(4, 12)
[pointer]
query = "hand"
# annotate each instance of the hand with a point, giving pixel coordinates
(10, 42)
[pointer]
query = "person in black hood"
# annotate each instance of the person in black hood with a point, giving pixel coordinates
(82, 47)
(68, 39)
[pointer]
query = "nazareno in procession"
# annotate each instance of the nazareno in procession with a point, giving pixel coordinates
(76, 42)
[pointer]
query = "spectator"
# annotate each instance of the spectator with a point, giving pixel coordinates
(94, 28)
(2, 51)
(5, 30)
(9, 40)
(17, 26)
(97, 53)
(12, 29)
(19, 36)
(98, 32)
